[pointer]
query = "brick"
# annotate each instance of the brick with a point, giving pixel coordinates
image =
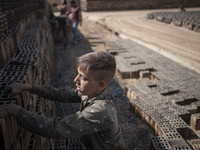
(180, 126)
(160, 142)
(195, 143)
(29, 54)
(10, 67)
(195, 121)
(129, 66)
(24, 61)
(14, 73)
(172, 135)
(5, 95)
(190, 108)
(179, 144)
(75, 141)
(75, 146)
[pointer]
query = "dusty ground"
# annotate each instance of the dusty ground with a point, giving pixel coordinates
(177, 43)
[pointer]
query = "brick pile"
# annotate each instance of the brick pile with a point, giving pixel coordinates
(26, 57)
(187, 19)
(166, 94)
(102, 5)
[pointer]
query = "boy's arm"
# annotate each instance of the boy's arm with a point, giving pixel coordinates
(89, 121)
(9, 109)
(65, 94)
(17, 88)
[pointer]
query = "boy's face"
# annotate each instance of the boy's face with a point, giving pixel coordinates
(86, 84)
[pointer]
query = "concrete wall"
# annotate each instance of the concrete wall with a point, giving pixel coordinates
(100, 5)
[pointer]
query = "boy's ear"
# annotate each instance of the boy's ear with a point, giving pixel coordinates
(102, 84)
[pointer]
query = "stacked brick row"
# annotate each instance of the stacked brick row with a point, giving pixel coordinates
(27, 56)
(12, 12)
(187, 19)
(102, 5)
(163, 92)
(15, 16)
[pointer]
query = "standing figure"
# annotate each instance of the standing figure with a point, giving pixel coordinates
(76, 19)
(64, 23)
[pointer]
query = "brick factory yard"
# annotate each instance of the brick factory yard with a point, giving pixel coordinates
(177, 43)
(99, 28)
(157, 80)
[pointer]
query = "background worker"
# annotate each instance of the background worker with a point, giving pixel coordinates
(76, 19)
(64, 23)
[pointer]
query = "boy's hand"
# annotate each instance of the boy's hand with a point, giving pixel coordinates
(9, 109)
(17, 88)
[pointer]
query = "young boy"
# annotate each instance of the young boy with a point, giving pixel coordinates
(96, 121)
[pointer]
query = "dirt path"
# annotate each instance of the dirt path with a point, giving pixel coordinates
(177, 43)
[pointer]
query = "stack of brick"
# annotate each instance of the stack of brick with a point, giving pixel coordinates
(163, 92)
(187, 19)
(102, 5)
(26, 57)
(15, 16)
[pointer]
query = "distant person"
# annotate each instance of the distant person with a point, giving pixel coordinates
(64, 23)
(76, 20)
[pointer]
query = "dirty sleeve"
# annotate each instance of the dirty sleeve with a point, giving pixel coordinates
(63, 94)
(93, 119)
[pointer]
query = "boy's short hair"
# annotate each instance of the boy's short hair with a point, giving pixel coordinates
(101, 64)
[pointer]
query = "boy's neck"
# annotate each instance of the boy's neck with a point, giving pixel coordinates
(96, 94)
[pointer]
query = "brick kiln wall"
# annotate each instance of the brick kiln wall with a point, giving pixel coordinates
(101, 5)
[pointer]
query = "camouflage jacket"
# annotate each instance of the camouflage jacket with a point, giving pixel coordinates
(96, 121)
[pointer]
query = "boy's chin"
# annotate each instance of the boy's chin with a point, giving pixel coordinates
(78, 88)
(80, 92)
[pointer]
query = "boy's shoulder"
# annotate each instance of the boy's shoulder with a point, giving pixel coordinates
(102, 105)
